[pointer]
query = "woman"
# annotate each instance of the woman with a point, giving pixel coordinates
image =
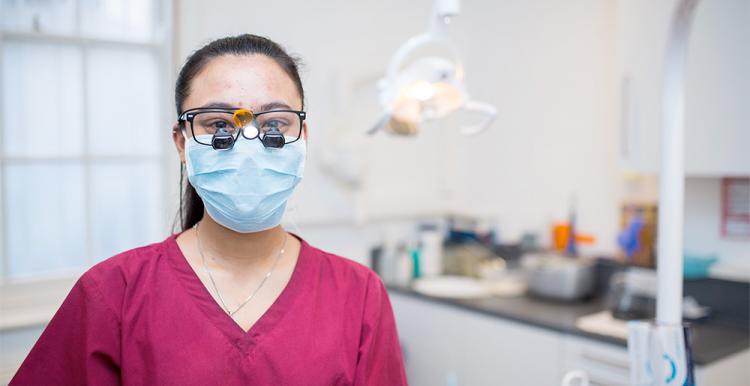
(233, 299)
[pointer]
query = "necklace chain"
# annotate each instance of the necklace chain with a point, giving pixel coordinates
(213, 282)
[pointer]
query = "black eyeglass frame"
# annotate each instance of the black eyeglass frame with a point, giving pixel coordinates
(189, 115)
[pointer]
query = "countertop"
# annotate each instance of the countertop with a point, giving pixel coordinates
(712, 339)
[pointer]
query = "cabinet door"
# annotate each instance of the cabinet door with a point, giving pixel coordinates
(445, 345)
(717, 113)
(730, 371)
(642, 27)
(717, 101)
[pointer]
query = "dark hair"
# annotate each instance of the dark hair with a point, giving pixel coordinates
(191, 205)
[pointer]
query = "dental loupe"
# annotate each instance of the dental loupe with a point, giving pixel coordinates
(243, 119)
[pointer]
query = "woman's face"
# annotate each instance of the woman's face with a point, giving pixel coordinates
(254, 82)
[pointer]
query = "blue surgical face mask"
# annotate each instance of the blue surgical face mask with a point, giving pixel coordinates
(247, 187)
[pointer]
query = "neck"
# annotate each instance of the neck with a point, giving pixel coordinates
(239, 248)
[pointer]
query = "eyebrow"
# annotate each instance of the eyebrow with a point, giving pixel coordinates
(275, 106)
(266, 107)
(217, 105)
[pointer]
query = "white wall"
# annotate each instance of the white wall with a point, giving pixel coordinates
(548, 66)
(545, 64)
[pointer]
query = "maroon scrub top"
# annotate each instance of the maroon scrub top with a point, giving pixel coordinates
(143, 317)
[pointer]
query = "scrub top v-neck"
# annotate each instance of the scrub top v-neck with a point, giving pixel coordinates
(144, 317)
(244, 340)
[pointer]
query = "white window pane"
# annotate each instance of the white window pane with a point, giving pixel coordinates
(122, 19)
(51, 16)
(125, 206)
(124, 94)
(45, 218)
(42, 100)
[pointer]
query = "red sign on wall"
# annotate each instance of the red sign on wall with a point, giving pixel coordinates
(735, 208)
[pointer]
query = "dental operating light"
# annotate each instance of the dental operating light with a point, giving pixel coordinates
(420, 88)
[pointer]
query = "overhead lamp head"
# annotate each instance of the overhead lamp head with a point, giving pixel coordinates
(421, 88)
(428, 89)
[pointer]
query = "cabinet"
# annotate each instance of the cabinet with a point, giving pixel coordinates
(448, 345)
(608, 365)
(444, 345)
(717, 117)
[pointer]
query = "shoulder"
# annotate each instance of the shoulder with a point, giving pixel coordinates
(338, 267)
(346, 286)
(129, 264)
(112, 277)
(341, 273)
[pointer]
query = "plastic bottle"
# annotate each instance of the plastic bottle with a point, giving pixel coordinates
(431, 251)
(404, 265)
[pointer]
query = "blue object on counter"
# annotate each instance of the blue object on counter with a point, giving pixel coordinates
(629, 237)
(696, 267)
(571, 248)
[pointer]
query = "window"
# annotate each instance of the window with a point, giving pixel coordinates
(84, 129)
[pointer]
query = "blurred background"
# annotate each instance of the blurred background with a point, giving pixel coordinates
(495, 247)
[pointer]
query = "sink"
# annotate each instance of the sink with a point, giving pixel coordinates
(460, 287)
(603, 323)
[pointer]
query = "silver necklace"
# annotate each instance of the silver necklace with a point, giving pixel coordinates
(213, 283)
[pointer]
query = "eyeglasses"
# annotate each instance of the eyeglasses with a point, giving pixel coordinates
(220, 128)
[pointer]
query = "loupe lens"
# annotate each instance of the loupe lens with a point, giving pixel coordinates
(222, 140)
(273, 138)
(276, 141)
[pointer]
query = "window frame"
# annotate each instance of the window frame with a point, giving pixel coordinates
(39, 296)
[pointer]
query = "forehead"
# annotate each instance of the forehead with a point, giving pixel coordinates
(248, 81)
